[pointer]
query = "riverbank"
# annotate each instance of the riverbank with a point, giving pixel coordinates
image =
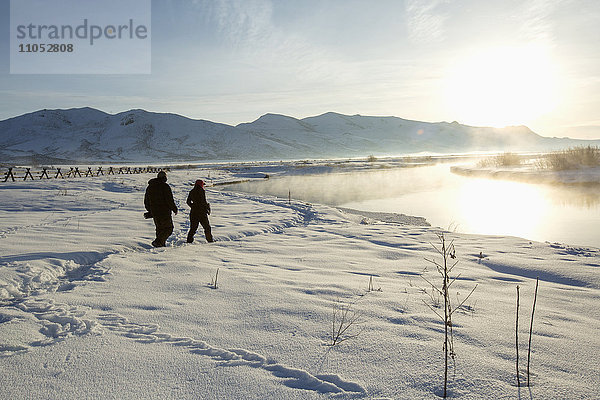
(530, 174)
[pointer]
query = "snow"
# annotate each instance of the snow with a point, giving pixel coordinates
(90, 135)
(90, 310)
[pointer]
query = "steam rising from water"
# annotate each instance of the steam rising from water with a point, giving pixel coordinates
(341, 188)
(472, 205)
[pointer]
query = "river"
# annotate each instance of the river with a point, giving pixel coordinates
(540, 212)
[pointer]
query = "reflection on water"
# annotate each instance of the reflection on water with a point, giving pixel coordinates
(500, 207)
(473, 205)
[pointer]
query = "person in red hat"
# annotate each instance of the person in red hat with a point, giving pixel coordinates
(200, 210)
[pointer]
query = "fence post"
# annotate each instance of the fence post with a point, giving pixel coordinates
(71, 172)
(89, 172)
(99, 172)
(110, 171)
(9, 174)
(58, 173)
(44, 173)
(77, 172)
(28, 173)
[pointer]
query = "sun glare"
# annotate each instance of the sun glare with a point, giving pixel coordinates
(501, 207)
(502, 86)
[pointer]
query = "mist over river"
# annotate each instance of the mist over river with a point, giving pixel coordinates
(542, 212)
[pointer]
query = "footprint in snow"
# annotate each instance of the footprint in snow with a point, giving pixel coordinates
(293, 377)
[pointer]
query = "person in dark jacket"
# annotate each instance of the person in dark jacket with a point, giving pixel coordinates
(200, 210)
(159, 202)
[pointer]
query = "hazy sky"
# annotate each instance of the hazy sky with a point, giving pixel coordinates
(532, 62)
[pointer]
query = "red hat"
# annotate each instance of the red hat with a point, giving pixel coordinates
(200, 183)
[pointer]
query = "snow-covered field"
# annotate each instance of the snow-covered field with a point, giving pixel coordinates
(90, 310)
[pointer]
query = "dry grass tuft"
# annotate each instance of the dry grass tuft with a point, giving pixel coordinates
(572, 158)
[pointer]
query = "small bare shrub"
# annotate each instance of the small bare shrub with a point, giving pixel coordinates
(344, 323)
(444, 269)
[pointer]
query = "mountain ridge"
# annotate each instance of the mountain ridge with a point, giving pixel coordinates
(90, 135)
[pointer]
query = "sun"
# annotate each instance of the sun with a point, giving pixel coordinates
(502, 86)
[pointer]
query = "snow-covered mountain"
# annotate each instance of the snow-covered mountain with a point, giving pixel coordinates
(87, 134)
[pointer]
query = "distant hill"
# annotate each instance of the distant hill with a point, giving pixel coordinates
(90, 135)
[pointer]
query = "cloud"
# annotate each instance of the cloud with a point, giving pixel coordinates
(425, 20)
(240, 23)
(536, 19)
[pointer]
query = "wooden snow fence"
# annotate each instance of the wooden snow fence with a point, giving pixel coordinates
(15, 173)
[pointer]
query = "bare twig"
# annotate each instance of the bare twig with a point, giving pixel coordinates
(537, 281)
(434, 310)
(517, 337)
(432, 286)
(464, 300)
(213, 283)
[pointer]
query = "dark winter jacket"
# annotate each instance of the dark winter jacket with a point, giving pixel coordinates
(197, 201)
(159, 198)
